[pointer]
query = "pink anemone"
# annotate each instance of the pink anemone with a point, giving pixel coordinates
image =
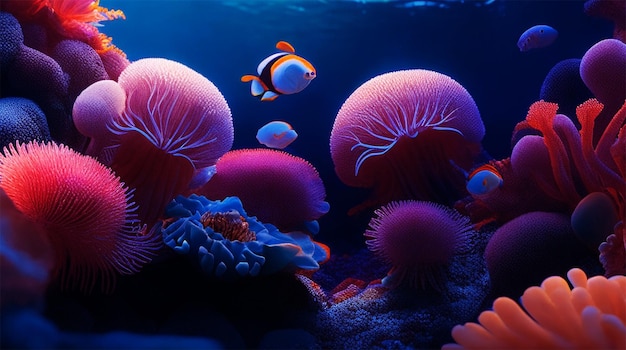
(175, 123)
(405, 134)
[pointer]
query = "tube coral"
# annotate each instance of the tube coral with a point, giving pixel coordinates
(229, 244)
(590, 315)
(83, 207)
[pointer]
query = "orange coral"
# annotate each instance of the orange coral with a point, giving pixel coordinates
(73, 19)
(592, 315)
(86, 11)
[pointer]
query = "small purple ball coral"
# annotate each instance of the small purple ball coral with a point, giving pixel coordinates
(530, 248)
(21, 120)
(418, 239)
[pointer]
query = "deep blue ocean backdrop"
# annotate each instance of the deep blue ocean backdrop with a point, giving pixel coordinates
(350, 42)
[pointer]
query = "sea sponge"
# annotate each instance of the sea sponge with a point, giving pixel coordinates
(591, 315)
(229, 244)
(83, 207)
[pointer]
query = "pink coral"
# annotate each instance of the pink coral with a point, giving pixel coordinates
(276, 187)
(84, 209)
(175, 123)
(405, 134)
(591, 315)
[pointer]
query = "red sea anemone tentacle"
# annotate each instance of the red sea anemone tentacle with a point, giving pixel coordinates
(567, 131)
(586, 113)
(608, 137)
(85, 210)
(618, 151)
(540, 116)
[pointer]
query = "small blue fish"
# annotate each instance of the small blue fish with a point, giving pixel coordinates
(483, 180)
(276, 134)
(282, 73)
(537, 37)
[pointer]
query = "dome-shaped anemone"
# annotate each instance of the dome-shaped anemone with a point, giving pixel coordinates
(229, 244)
(405, 134)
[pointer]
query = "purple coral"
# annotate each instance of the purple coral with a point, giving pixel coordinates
(21, 120)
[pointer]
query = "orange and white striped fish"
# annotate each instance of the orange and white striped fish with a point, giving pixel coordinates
(282, 73)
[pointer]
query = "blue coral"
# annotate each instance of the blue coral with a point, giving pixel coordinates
(271, 251)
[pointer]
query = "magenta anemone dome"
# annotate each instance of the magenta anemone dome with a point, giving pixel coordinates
(418, 239)
(84, 209)
(275, 186)
(405, 134)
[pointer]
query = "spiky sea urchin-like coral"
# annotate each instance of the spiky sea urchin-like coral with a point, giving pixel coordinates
(83, 207)
(591, 315)
(418, 239)
(229, 244)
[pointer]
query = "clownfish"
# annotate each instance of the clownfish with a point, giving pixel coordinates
(276, 134)
(483, 180)
(282, 73)
(537, 37)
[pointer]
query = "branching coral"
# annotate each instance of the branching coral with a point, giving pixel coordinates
(229, 244)
(591, 315)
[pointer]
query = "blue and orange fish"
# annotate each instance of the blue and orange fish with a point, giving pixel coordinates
(483, 180)
(282, 73)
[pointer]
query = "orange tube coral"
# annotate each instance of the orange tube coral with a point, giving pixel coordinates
(591, 315)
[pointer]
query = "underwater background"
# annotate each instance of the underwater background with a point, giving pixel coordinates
(330, 289)
(350, 42)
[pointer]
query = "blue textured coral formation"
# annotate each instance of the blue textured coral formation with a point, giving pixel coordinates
(270, 250)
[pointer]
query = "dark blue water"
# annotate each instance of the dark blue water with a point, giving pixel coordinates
(348, 43)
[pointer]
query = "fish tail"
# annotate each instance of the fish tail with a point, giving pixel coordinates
(257, 87)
